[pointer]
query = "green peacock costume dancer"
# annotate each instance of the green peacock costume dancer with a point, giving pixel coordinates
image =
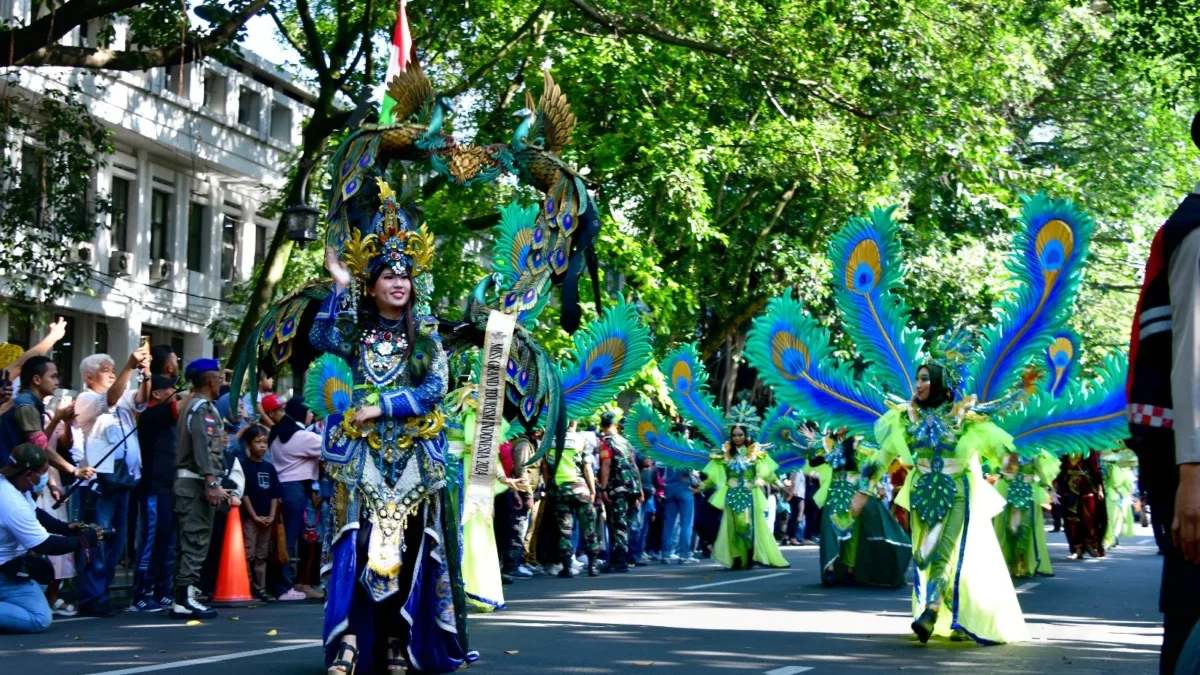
(1065, 415)
(737, 461)
(606, 355)
(393, 552)
(929, 409)
(1119, 488)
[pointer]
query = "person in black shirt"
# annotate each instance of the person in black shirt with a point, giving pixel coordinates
(261, 504)
(156, 520)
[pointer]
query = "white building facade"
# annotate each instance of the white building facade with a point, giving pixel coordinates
(199, 151)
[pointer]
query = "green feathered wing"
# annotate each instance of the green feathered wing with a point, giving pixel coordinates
(651, 434)
(688, 381)
(607, 354)
(329, 386)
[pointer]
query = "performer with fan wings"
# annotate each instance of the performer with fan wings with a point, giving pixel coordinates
(739, 466)
(1118, 497)
(938, 420)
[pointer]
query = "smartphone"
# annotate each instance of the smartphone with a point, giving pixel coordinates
(144, 343)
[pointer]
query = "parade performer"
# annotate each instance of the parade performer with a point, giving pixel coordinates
(1081, 492)
(385, 375)
(738, 465)
(1025, 483)
(938, 422)
(1118, 498)
(861, 540)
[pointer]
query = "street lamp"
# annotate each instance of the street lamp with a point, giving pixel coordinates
(301, 222)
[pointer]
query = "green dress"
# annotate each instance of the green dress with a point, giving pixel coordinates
(1024, 483)
(959, 569)
(1118, 500)
(744, 535)
(872, 548)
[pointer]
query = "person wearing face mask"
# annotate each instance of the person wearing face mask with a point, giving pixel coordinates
(26, 529)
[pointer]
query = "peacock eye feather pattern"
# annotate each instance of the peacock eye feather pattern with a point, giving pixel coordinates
(1062, 361)
(688, 381)
(776, 415)
(791, 352)
(651, 434)
(607, 354)
(1085, 417)
(1047, 267)
(867, 276)
(329, 386)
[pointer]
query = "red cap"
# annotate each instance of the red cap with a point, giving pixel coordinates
(271, 403)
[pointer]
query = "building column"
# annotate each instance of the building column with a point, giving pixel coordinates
(210, 256)
(179, 235)
(140, 205)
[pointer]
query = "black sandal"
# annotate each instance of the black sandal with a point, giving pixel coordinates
(397, 660)
(341, 661)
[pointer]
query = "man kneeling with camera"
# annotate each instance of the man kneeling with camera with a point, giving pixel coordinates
(26, 530)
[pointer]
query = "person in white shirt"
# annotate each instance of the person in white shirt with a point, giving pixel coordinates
(105, 413)
(25, 528)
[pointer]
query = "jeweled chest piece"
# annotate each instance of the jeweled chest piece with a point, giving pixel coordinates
(384, 349)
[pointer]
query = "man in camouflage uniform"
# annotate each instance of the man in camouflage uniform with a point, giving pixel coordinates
(574, 491)
(198, 492)
(621, 490)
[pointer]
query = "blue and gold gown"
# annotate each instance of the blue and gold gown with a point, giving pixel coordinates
(392, 549)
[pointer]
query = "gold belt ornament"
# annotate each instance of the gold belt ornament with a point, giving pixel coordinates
(424, 427)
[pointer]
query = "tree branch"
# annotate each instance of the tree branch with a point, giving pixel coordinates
(486, 67)
(640, 25)
(713, 341)
(110, 59)
(316, 50)
(286, 32)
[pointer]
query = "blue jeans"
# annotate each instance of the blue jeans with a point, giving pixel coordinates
(156, 548)
(680, 509)
(23, 606)
(294, 499)
(107, 511)
(640, 528)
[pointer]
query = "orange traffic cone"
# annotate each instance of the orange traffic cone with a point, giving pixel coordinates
(233, 577)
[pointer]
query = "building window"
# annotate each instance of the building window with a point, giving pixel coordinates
(160, 219)
(31, 179)
(118, 223)
(229, 231)
(64, 356)
(214, 92)
(195, 236)
(281, 123)
(260, 244)
(18, 330)
(177, 81)
(101, 344)
(249, 107)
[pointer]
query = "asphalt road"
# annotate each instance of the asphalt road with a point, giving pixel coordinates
(1094, 617)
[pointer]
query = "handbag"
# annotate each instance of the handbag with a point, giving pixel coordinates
(280, 555)
(121, 479)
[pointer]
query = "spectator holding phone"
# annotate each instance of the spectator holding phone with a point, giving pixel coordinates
(22, 423)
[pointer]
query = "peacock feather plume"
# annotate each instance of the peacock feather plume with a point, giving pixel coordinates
(1085, 417)
(791, 352)
(866, 277)
(1062, 361)
(688, 380)
(651, 434)
(608, 353)
(519, 258)
(778, 414)
(329, 386)
(1047, 266)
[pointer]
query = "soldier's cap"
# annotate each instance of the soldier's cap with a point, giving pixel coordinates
(24, 457)
(201, 366)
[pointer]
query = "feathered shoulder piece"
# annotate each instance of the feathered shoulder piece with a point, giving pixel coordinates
(329, 386)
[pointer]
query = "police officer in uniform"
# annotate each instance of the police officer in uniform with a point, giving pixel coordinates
(200, 466)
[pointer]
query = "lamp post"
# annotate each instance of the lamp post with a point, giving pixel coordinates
(300, 219)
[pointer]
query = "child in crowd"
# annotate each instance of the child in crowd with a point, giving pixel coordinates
(261, 506)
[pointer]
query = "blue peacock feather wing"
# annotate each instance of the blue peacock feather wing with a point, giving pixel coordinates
(1047, 266)
(866, 277)
(784, 442)
(1062, 361)
(688, 380)
(791, 352)
(519, 258)
(608, 353)
(1083, 418)
(651, 434)
(329, 386)
(779, 414)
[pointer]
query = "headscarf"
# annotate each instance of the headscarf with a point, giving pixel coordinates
(939, 393)
(294, 414)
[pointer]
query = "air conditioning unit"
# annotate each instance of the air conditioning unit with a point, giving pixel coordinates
(85, 253)
(120, 264)
(227, 288)
(160, 271)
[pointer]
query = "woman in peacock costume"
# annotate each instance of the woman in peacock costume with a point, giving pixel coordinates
(737, 462)
(1119, 488)
(1065, 414)
(929, 409)
(393, 545)
(605, 356)
(861, 541)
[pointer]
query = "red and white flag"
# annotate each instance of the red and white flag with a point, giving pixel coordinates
(399, 56)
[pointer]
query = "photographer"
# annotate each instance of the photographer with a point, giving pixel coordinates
(25, 528)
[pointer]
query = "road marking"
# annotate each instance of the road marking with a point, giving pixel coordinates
(211, 659)
(789, 670)
(734, 581)
(1028, 587)
(73, 618)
